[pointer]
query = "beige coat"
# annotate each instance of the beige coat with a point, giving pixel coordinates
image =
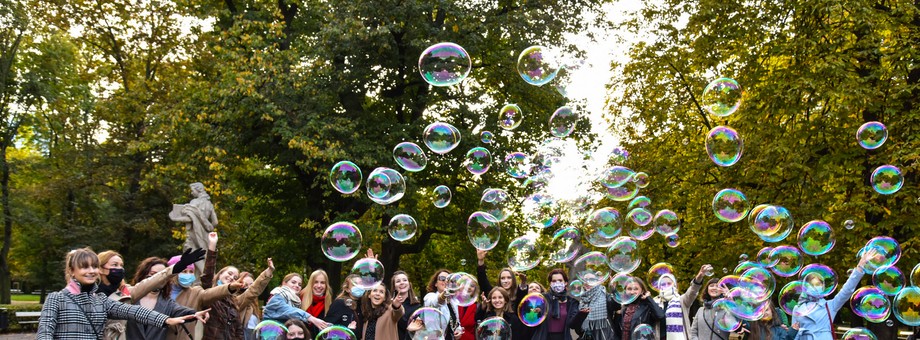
(196, 298)
(115, 329)
(246, 300)
(386, 324)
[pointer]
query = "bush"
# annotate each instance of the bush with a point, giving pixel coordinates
(11, 314)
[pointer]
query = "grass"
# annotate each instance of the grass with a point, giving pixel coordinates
(25, 297)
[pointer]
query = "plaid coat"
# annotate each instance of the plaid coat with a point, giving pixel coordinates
(66, 315)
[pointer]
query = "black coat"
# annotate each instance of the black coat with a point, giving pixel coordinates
(340, 314)
(519, 331)
(648, 312)
(403, 322)
(571, 311)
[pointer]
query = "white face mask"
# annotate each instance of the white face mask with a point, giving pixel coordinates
(557, 287)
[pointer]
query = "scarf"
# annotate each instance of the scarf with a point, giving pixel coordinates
(554, 300)
(287, 294)
(628, 312)
(674, 320)
(318, 306)
(371, 329)
(596, 299)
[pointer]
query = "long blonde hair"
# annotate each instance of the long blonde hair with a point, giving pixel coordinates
(306, 293)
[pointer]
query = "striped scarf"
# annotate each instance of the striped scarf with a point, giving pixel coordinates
(596, 299)
(674, 319)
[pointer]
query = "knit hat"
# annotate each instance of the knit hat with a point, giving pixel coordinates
(175, 259)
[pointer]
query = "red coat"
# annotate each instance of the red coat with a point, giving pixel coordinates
(468, 321)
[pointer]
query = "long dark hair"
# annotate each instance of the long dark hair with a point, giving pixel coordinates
(763, 329)
(705, 297)
(368, 311)
(143, 270)
(412, 298)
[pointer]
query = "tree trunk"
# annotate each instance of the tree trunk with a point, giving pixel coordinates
(7, 226)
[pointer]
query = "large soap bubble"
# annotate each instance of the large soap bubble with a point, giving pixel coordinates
(722, 97)
(341, 241)
(538, 65)
(494, 328)
(623, 255)
(906, 306)
(533, 309)
(602, 226)
(482, 230)
(441, 137)
(410, 156)
(444, 64)
(592, 268)
(345, 177)
(523, 254)
(816, 238)
(730, 205)
(724, 146)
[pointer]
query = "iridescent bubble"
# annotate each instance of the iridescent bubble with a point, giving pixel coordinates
(725, 320)
(497, 203)
(743, 266)
(562, 122)
(742, 257)
(655, 272)
(444, 64)
(616, 176)
(816, 238)
(517, 164)
(764, 259)
(441, 137)
(385, 186)
(915, 276)
(788, 261)
(618, 289)
(819, 280)
(433, 324)
(463, 288)
(906, 306)
(619, 155)
(269, 329)
(888, 252)
(643, 332)
(482, 230)
(442, 196)
(871, 304)
(763, 281)
(369, 273)
(889, 323)
(486, 137)
(673, 241)
(602, 226)
(510, 116)
(478, 160)
(889, 280)
(773, 223)
(378, 184)
(494, 328)
(790, 296)
(871, 135)
(639, 202)
(532, 310)
(623, 255)
(730, 205)
(849, 224)
(402, 227)
(624, 192)
(592, 268)
(743, 305)
(666, 222)
(564, 245)
(858, 333)
(341, 241)
(410, 156)
(641, 179)
(640, 228)
(335, 332)
(523, 254)
(540, 210)
(576, 288)
(538, 65)
(722, 97)
(724, 146)
(345, 177)
(887, 179)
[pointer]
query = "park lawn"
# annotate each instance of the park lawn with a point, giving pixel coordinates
(25, 298)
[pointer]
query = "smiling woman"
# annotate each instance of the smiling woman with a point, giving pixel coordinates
(380, 314)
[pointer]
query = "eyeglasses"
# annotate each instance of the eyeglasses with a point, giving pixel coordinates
(442, 278)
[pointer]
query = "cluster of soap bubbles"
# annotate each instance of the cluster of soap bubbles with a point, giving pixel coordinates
(885, 179)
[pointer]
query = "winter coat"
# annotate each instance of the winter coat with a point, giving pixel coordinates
(647, 312)
(135, 330)
(817, 321)
(686, 301)
(72, 314)
(704, 325)
(385, 327)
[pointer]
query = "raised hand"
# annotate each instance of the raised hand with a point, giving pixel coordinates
(481, 256)
(212, 241)
(370, 254)
(271, 265)
(188, 257)
(703, 269)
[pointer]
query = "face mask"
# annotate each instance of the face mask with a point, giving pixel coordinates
(557, 287)
(186, 279)
(297, 338)
(115, 276)
(357, 291)
(220, 283)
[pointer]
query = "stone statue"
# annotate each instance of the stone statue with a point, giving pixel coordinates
(199, 218)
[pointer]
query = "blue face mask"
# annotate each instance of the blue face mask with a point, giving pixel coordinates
(357, 291)
(186, 279)
(220, 283)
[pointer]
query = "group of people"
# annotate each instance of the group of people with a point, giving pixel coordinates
(166, 299)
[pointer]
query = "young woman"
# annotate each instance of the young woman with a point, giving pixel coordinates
(535, 287)
(184, 291)
(437, 298)
(506, 279)
(562, 309)
(704, 323)
(641, 311)
(157, 300)
(401, 286)
(592, 321)
(346, 306)
(499, 305)
(769, 327)
(315, 297)
(676, 325)
(296, 329)
(813, 316)
(380, 314)
(285, 303)
(77, 312)
(112, 284)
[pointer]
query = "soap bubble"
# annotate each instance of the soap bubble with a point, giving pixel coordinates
(517, 164)
(623, 255)
(730, 205)
(871, 135)
(463, 288)
(402, 227)
(915, 276)
(871, 304)
(888, 279)
(385, 186)
(640, 217)
(764, 259)
(564, 245)
(444, 64)
(788, 261)
(816, 238)
(345, 177)
(369, 273)
(618, 285)
(341, 241)
(849, 224)
(441, 137)
(624, 192)
(724, 146)
(790, 296)
(722, 97)
(616, 176)
(639, 202)
(538, 65)
(655, 272)
(640, 228)
(725, 320)
(497, 203)
(493, 328)
(533, 309)
(562, 122)
(540, 210)
(269, 329)
(433, 323)
(888, 252)
(773, 223)
(576, 288)
(442, 196)
(643, 332)
(666, 222)
(859, 333)
(592, 268)
(482, 230)
(510, 116)
(602, 226)
(478, 160)
(335, 332)
(523, 254)
(673, 241)
(906, 306)
(819, 280)
(486, 137)
(410, 156)
(641, 179)
(887, 179)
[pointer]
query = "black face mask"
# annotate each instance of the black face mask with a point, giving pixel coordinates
(297, 338)
(115, 276)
